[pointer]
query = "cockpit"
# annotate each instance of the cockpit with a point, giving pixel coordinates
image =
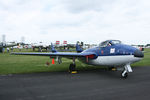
(109, 43)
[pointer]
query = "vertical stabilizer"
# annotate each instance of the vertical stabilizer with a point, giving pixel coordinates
(78, 48)
(53, 48)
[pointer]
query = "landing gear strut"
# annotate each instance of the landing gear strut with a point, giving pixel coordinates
(127, 68)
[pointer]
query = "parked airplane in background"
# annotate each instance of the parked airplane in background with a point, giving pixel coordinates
(110, 53)
(9, 44)
(40, 46)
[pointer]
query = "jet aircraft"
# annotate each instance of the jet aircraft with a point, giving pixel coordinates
(110, 53)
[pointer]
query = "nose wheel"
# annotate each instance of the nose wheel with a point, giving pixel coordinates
(124, 74)
(127, 68)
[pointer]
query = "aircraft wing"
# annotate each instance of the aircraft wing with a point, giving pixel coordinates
(61, 54)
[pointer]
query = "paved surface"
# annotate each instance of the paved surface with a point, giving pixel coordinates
(86, 85)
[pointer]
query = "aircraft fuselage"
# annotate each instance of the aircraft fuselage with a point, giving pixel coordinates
(114, 55)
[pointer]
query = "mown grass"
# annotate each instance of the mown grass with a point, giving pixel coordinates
(13, 64)
(146, 59)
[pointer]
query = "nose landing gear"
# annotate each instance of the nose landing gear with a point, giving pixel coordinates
(124, 74)
(127, 68)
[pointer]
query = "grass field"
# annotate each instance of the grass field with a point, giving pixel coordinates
(145, 61)
(13, 64)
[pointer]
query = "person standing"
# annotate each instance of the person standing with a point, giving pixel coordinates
(7, 50)
(3, 50)
(11, 49)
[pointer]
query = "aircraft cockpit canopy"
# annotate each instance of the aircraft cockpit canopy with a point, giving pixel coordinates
(109, 43)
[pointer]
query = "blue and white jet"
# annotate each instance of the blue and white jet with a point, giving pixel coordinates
(110, 53)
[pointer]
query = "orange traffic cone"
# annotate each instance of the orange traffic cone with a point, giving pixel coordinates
(53, 61)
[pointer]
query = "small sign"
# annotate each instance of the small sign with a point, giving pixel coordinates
(112, 50)
(57, 42)
(65, 42)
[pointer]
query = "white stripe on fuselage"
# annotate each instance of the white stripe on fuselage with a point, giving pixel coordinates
(113, 60)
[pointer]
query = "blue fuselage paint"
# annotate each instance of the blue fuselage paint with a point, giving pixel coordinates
(117, 54)
(119, 49)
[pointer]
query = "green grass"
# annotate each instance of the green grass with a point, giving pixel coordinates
(13, 64)
(146, 59)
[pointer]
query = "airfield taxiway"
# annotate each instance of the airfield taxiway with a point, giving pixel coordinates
(86, 85)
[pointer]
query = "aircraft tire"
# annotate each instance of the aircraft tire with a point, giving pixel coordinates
(72, 67)
(125, 75)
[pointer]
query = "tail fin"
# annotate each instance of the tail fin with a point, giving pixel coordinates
(78, 48)
(53, 48)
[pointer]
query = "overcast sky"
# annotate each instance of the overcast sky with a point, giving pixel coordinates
(91, 21)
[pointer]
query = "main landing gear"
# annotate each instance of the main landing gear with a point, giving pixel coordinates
(127, 68)
(72, 67)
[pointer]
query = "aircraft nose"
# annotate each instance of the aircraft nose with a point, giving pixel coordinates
(138, 53)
